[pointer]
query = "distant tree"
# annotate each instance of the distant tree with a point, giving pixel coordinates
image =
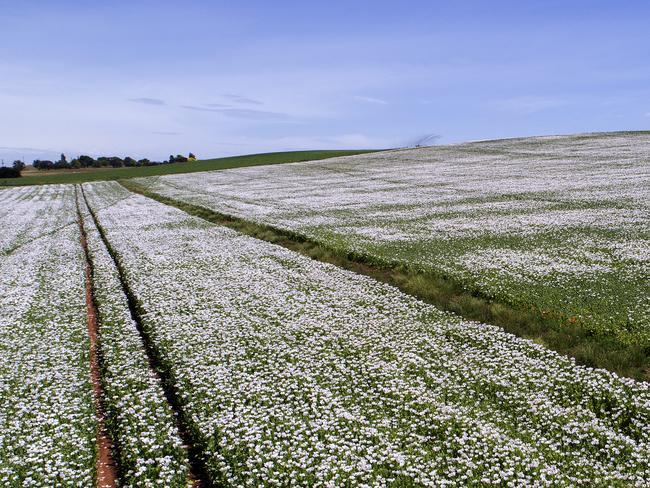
(191, 157)
(115, 162)
(62, 163)
(9, 172)
(130, 162)
(43, 164)
(19, 165)
(177, 159)
(144, 162)
(75, 163)
(86, 161)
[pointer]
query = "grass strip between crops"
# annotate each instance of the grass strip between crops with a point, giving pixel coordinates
(552, 330)
(197, 477)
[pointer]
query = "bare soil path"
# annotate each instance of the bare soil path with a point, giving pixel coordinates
(197, 477)
(106, 467)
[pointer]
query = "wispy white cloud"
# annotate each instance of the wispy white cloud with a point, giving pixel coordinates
(148, 101)
(241, 113)
(528, 104)
(26, 149)
(378, 101)
(356, 141)
(10, 153)
(241, 99)
(339, 141)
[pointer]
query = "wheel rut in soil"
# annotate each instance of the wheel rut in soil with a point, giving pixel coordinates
(197, 476)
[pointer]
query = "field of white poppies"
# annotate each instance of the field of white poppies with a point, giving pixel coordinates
(47, 421)
(139, 418)
(291, 371)
(560, 224)
(226, 360)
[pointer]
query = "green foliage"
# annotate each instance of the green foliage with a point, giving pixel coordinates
(9, 172)
(62, 163)
(179, 158)
(129, 162)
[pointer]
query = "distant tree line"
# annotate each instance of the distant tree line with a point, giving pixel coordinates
(105, 162)
(89, 162)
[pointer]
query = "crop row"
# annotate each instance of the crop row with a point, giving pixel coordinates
(291, 371)
(48, 427)
(47, 417)
(139, 419)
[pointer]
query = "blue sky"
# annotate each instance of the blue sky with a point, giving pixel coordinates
(218, 78)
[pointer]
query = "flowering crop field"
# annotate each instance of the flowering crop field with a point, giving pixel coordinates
(47, 419)
(559, 224)
(295, 372)
(140, 420)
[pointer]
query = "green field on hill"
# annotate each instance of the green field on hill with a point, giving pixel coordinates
(48, 177)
